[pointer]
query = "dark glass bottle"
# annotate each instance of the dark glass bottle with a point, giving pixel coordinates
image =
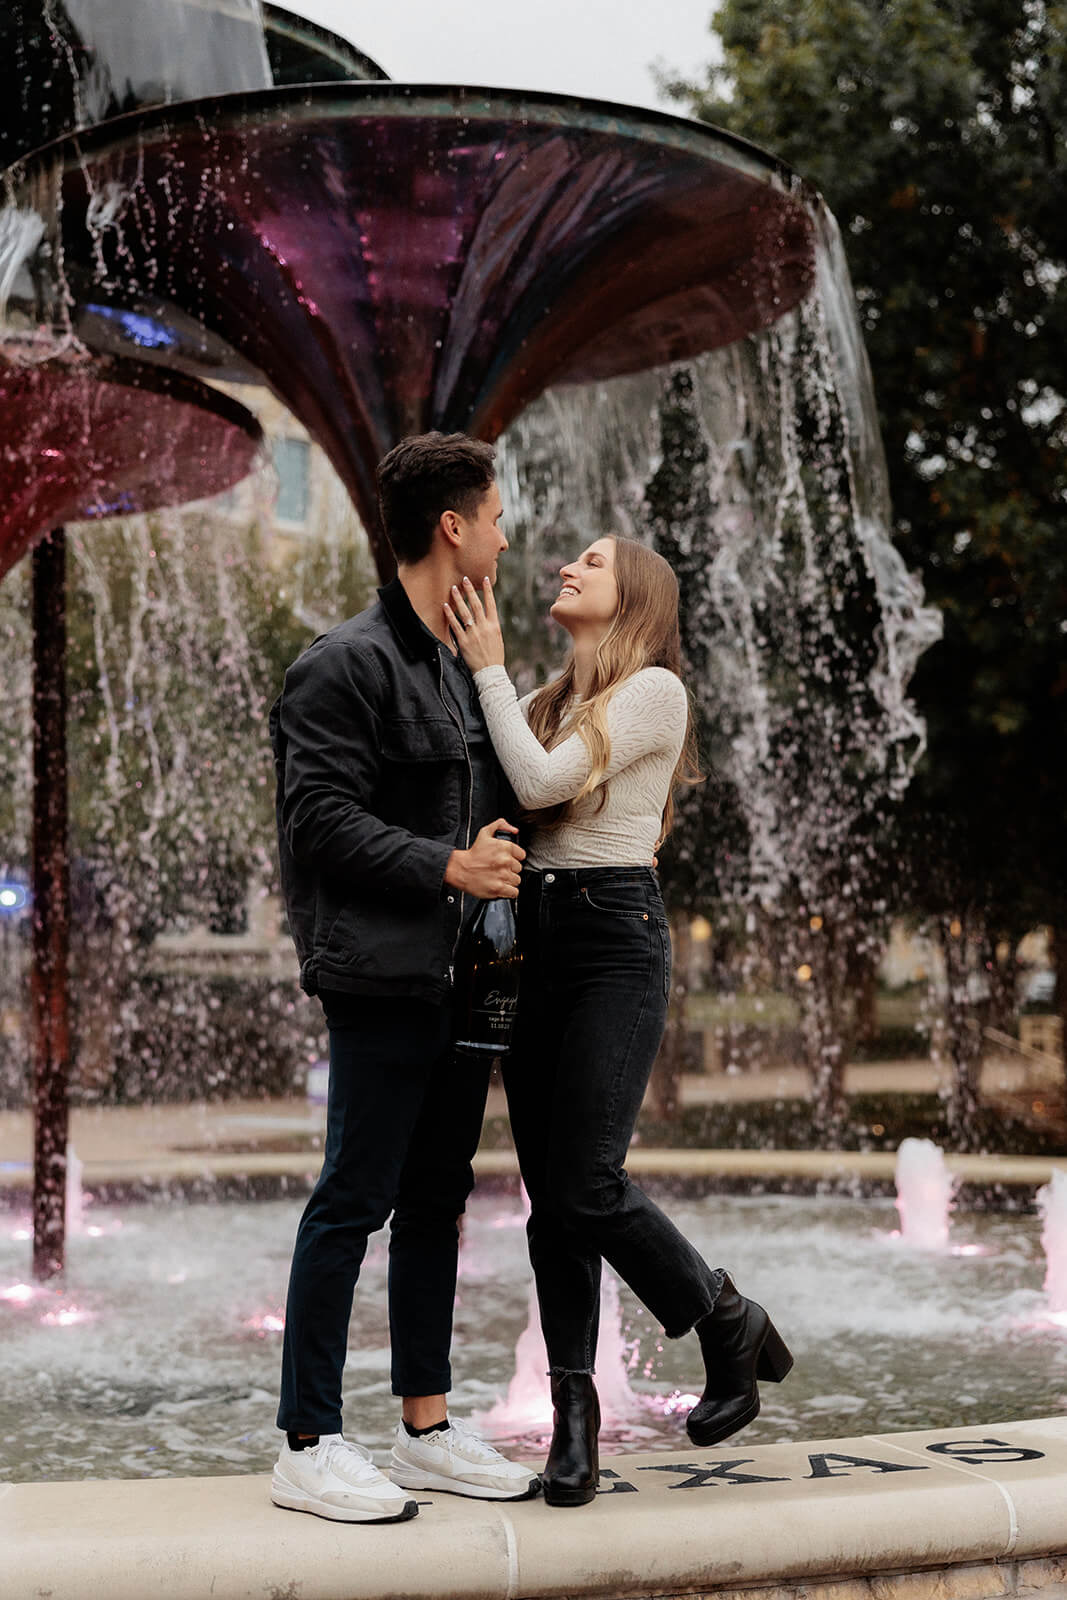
(488, 964)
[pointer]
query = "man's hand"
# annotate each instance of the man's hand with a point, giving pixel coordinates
(490, 869)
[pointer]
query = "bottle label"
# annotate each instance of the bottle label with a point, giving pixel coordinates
(499, 1000)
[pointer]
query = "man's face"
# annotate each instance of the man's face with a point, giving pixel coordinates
(482, 539)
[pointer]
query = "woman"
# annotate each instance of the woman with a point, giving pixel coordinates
(594, 755)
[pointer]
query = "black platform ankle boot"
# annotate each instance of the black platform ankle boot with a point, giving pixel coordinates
(572, 1471)
(740, 1344)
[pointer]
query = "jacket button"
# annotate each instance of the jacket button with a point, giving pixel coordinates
(451, 899)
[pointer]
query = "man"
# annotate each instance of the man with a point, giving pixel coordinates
(389, 800)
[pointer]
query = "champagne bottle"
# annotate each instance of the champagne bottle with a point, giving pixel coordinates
(487, 980)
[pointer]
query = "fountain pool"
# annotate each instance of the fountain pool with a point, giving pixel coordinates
(159, 1355)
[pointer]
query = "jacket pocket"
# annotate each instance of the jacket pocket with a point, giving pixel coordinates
(409, 739)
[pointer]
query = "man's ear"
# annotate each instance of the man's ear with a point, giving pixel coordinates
(449, 529)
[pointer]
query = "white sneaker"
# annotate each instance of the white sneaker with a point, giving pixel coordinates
(337, 1479)
(457, 1461)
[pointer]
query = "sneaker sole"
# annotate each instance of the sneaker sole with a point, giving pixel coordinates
(413, 1478)
(291, 1500)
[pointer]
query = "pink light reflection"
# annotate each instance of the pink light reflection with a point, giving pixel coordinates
(266, 1322)
(897, 1237)
(676, 1401)
(19, 1294)
(510, 1219)
(66, 1317)
(1047, 1319)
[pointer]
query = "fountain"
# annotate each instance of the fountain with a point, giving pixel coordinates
(386, 257)
(390, 257)
(924, 1194)
(1052, 1203)
(525, 1410)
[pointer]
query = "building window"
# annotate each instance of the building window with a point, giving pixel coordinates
(292, 462)
(231, 501)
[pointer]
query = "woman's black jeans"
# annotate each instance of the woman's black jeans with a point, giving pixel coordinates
(403, 1122)
(592, 1007)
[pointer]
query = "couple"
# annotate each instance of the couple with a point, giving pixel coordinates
(401, 753)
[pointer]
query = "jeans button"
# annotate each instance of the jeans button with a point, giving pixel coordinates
(550, 877)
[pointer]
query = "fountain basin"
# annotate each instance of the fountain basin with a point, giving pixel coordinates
(142, 1365)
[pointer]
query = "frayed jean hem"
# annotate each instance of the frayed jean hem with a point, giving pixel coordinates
(671, 1333)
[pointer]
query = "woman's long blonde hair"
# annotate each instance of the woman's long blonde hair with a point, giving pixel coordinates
(643, 633)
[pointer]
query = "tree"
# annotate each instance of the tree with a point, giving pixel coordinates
(935, 131)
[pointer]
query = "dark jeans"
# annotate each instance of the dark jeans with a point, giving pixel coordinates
(592, 1008)
(403, 1122)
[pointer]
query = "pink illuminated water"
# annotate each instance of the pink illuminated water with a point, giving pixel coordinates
(77, 1202)
(924, 1194)
(1052, 1203)
(265, 1322)
(526, 1408)
(58, 1312)
(18, 1294)
(65, 1317)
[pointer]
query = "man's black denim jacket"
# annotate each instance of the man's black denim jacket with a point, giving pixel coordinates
(373, 795)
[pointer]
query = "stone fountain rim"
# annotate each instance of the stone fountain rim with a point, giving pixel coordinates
(482, 103)
(823, 1518)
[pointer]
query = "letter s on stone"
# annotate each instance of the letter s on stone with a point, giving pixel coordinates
(984, 1452)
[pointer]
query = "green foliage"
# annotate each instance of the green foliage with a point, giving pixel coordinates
(935, 130)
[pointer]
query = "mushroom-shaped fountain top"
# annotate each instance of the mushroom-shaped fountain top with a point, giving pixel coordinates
(103, 439)
(392, 258)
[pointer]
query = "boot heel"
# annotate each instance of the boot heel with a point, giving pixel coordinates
(774, 1360)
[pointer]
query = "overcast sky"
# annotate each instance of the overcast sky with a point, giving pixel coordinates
(602, 48)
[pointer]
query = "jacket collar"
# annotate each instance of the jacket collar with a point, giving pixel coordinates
(417, 640)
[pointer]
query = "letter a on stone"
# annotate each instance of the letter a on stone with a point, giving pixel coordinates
(821, 1468)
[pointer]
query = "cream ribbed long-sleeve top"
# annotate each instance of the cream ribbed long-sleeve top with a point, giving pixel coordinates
(646, 718)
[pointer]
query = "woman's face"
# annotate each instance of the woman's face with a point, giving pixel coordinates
(589, 596)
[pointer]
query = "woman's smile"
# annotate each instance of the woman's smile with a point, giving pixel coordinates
(597, 590)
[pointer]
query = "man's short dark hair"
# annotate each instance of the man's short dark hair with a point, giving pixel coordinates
(425, 475)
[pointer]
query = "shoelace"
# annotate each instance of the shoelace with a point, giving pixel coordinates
(476, 1445)
(332, 1448)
